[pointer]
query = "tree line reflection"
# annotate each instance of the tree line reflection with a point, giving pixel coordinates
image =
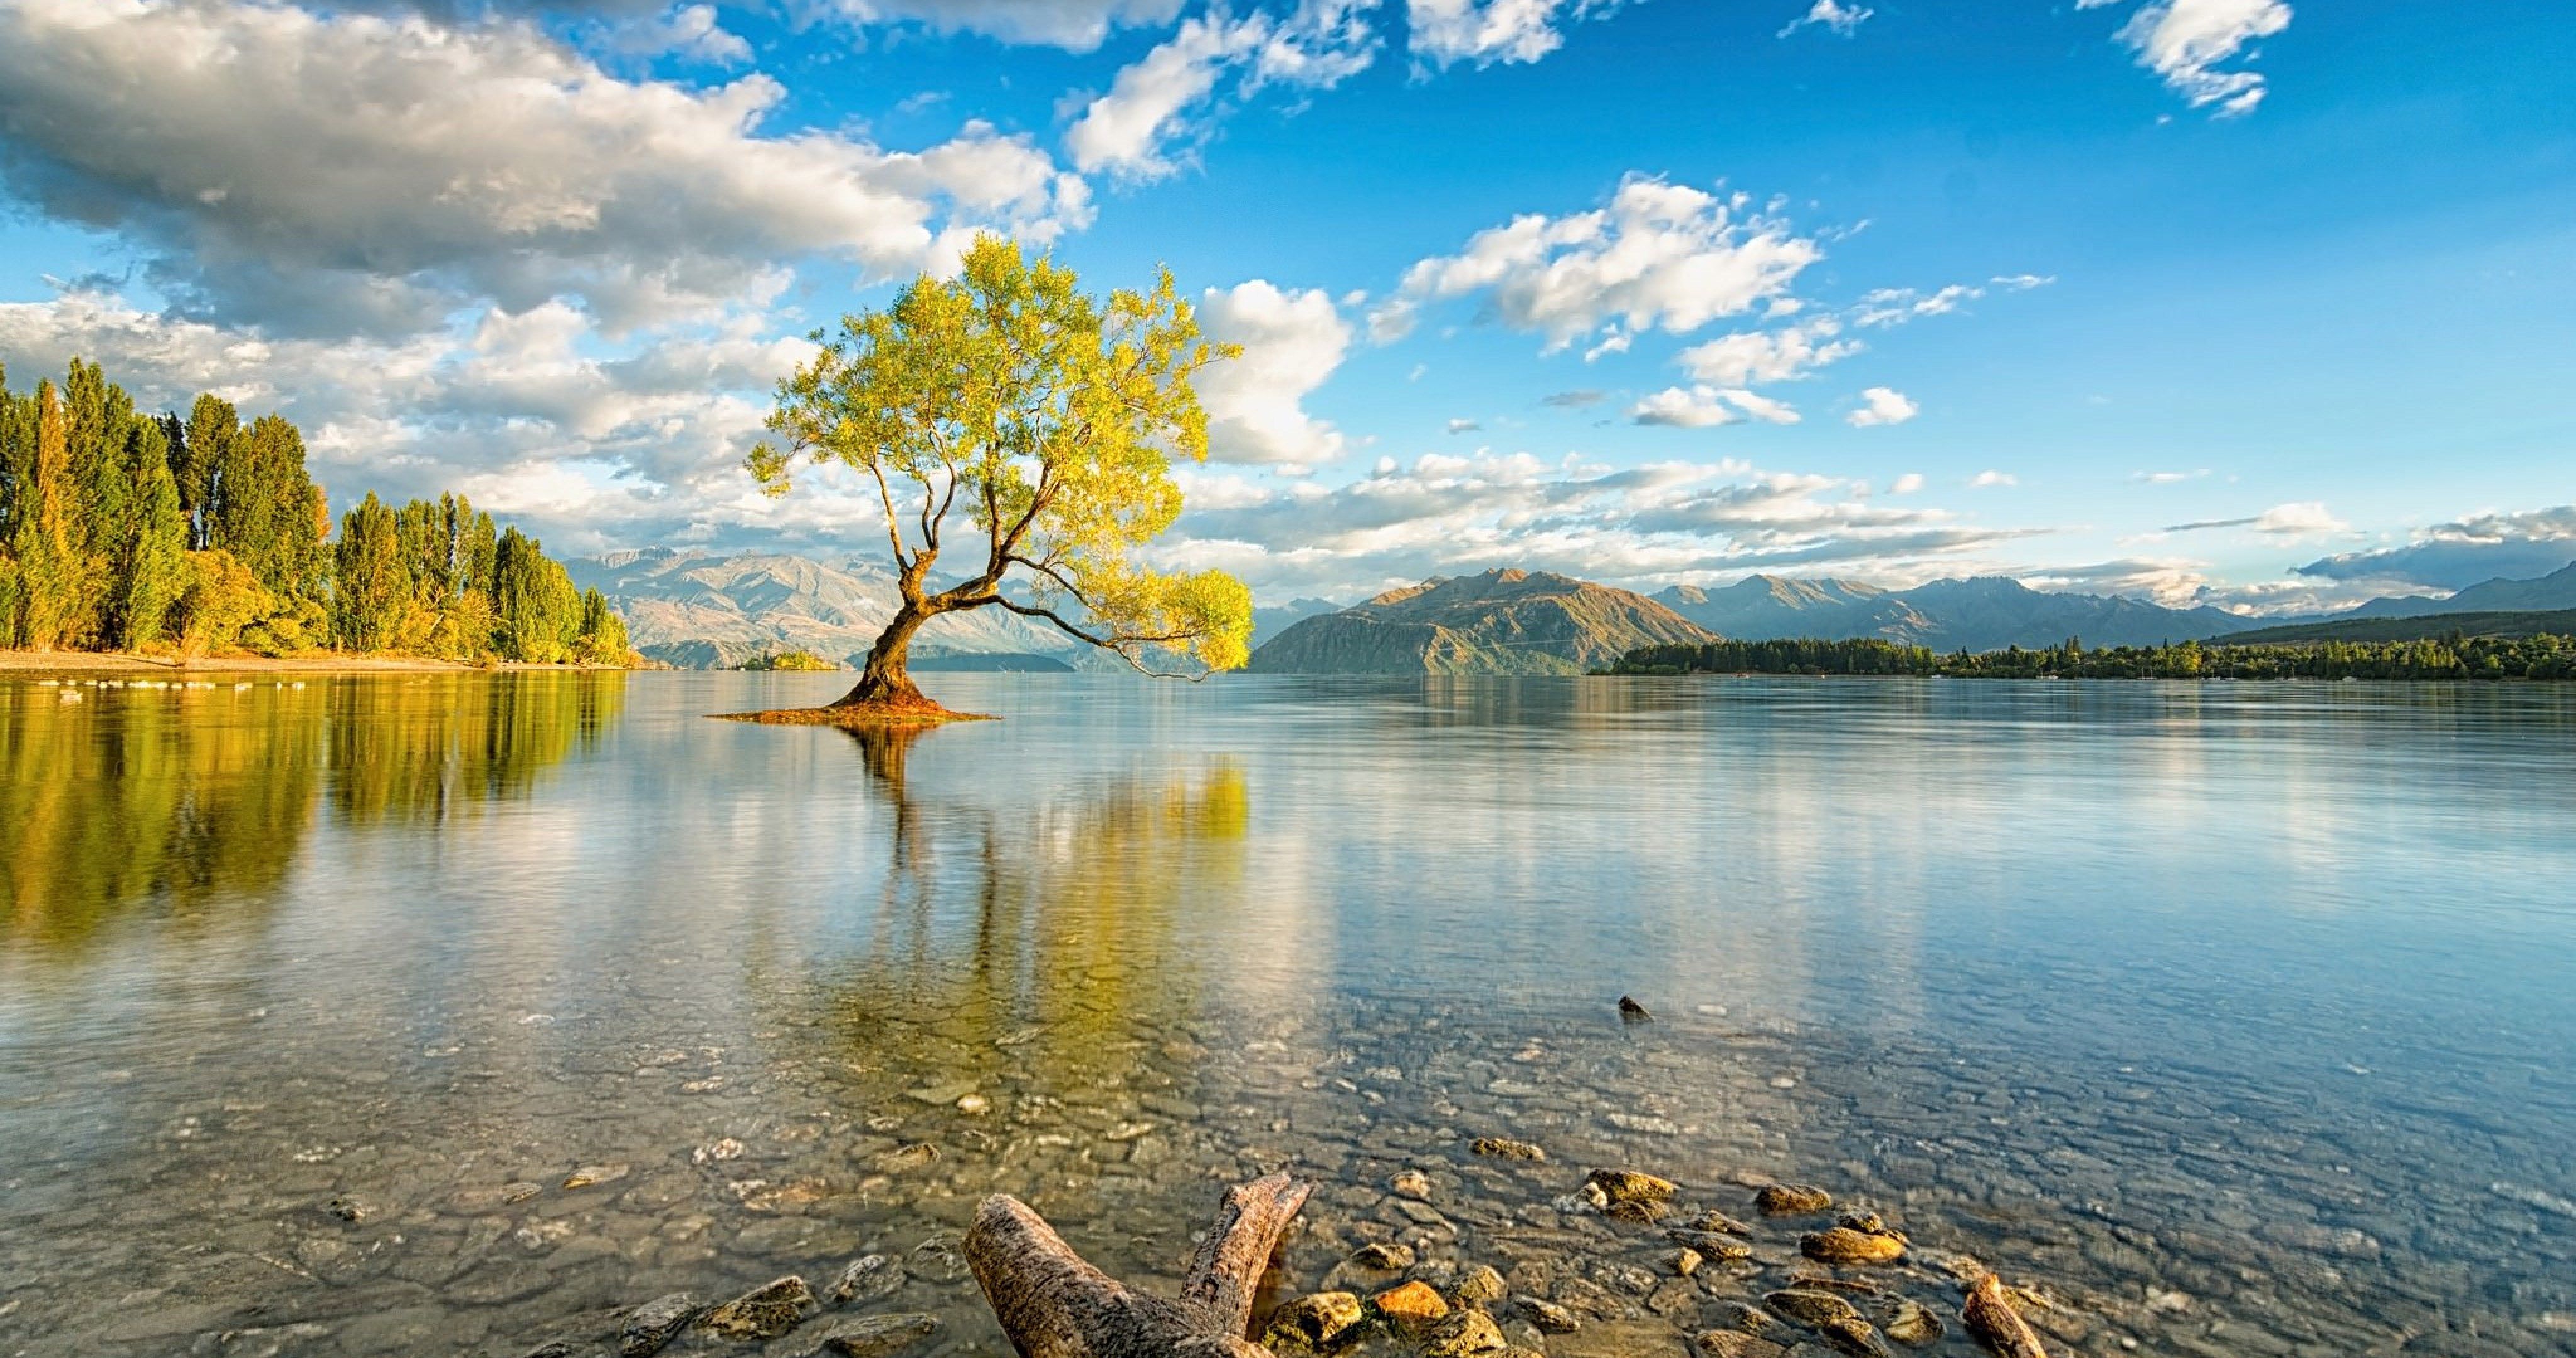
(117, 799)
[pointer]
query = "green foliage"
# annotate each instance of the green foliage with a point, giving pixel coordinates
(119, 529)
(218, 597)
(788, 662)
(2454, 657)
(1046, 419)
(539, 611)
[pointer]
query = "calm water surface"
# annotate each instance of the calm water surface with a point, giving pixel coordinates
(2234, 1019)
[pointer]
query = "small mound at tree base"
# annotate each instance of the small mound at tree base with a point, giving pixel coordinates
(875, 712)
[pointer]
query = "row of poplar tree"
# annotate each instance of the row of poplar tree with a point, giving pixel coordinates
(123, 530)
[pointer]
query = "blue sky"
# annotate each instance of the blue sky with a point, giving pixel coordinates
(2250, 302)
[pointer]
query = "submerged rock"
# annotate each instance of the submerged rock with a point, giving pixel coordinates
(1462, 1334)
(1734, 1344)
(1684, 1261)
(1319, 1318)
(1914, 1325)
(1411, 1306)
(1843, 1245)
(1793, 1200)
(1411, 1183)
(765, 1312)
(878, 1336)
(1547, 1315)
(1809, 1306)
(650, 1326)
(1719, 1222)
(1503, 1148)
(588, 1175)
(1478, 1286)
(1383, 1257)
(866, 1279)
(1629, 1185)
(1854, 1336)
(1711, 1245)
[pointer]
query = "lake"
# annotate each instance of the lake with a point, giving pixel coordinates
(2228, 1019)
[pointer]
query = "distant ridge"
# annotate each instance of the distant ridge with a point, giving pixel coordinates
(699, 611)
(2549, 593)
(1501, 622)
(1985, 613)
(2419, 627)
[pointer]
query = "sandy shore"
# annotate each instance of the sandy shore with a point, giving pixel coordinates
(103, 662)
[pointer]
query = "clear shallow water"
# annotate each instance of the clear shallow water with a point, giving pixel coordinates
(2236, 1018)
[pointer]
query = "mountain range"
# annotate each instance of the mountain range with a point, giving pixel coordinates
(699, 610)
(1501, 622)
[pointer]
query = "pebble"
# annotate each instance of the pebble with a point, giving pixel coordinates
(879, 1336)
(765, 1312)
(650, 1326)
(1503, 1148)
(1410, 1306)
(1793, 1200)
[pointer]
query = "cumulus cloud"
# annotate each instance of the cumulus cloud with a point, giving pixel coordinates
(1884, 405)
(1660, 256)
(2517, 545)
(1164, 97)
(1990, 478)
(1484, 32)
(1705, 407)
(690, 31)
(1292, 342)
(1839, 19)
(1906, 484)
(1075, 25)
(1751, 357)
(2186, 41)
(519, 409)
(1462, 425)
(435, 166)
(1445, 515)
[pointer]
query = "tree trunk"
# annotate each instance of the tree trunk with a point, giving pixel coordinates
(1053, 1305)
(886, 680)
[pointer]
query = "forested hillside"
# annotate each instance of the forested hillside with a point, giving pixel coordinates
(125, 530)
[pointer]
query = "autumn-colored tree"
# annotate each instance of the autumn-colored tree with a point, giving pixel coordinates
(1046, 420)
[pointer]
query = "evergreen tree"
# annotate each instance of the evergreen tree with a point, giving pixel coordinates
(371, 599)
(40, 537)
(196, 458)
(151, 567)
(603, 633)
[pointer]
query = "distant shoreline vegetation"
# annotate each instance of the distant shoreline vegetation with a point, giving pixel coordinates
(123, 531)
(2546, 658)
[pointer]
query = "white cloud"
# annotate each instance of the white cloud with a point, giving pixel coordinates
(2305, 518)
(1445, 515)
(689, 30)
(1883, 307)
(436, 166)
(1075, 25)
(1906, 484)
(2517, 545)
(1752, 357)
(1660, 256)
(1842, 20)
(1445, 32)
(1991, 477)
(1292, 342)
(1162, 98)
(1465, 426)
(2185, 41)
(1703, 407)
(1886, 405)
(1680, 408)
(516, 408)
(2022, 282)
(2168, 478)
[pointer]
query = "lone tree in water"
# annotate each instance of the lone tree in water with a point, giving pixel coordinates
(1009, 400)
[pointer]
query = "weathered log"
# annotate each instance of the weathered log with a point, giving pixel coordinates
(1054, 1305)
(1991, 1317)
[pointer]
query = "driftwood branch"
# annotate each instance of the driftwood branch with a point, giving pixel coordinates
(1054, 1305)
(1991, 1317)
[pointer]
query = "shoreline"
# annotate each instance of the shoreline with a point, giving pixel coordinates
(120, 662)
